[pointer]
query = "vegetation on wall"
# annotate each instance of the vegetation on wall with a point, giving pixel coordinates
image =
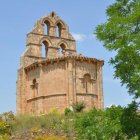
(78, 106)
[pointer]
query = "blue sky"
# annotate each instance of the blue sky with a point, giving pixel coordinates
(82, 16)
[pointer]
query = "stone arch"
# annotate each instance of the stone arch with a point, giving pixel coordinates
(63, 42)
(44, 48)
(87, 75)
(60, 26)
(47, 27)
(58, 30)
(45, 39)
(47, 23)
(49, 20)
(60, 22)
(63, 46)
(45, 44)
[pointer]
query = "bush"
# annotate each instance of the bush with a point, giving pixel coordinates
(4, 128)
(113, 123)
(78, 106)
(5, 123)
(67, 111)
(52, 121)
(101, 125)
(4, 137)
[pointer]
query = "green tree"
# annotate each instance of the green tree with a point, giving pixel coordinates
(100, 125)
(130, 120)
(121, 33)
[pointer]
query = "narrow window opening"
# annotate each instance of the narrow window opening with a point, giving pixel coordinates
(58, 30)
(44, 49)
(46, 27)
(62, 49)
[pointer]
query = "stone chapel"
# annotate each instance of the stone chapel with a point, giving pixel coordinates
(52, 74)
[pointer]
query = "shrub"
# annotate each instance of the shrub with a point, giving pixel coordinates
(4, 137)
(4, 127)
(5, 123)
(112, 123)
(52, 122)
(78, 106)
(67, 111)
(98, 126)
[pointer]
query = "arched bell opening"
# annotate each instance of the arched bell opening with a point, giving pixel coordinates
(44, 48)
(46, 27)
(62, 49)
(58, 29)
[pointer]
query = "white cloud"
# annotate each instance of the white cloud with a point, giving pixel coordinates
(79, 37)
(82, 37)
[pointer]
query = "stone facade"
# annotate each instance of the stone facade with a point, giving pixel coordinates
(61, 77)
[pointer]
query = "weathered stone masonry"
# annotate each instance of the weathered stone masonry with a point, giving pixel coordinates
(60, 78)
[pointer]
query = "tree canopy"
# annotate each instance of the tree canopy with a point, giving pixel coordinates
(121, 33)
